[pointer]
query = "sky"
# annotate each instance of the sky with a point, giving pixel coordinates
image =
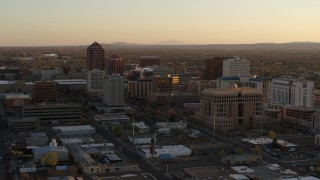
(81, 22)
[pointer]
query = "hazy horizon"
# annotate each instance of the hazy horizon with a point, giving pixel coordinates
(81, 22)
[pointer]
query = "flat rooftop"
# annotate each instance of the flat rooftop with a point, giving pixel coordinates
(242, 169)
(231, 91)
(71, 82)
(73, 128)
(286, 143)
(258, 141)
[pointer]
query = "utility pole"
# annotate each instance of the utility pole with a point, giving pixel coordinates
(214, 127)
(133, 131)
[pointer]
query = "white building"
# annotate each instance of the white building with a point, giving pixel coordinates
(235, 67)
(290, 91)
(113, 90)
(95, 80)
(174, 150)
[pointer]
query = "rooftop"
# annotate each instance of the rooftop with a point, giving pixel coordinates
(71, 81)
(258, 141)
(242, 169)
(286, 143)
(45, 149)
(231, 91)
(74, 128)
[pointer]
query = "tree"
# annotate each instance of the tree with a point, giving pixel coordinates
(317, 170)
(178, 134)
(118, 130)
(238, 150)
(51, 158)
(222, 154)
(272, 134)
(256, 150)
(152, 151)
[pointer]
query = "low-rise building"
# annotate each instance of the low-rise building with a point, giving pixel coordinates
(78, 140)
(287, 146)
(142, 138)
(172, 125)
(37, 139)
(253, 142)
(111, 118)
(28, 167)
(74, 130)
(174, 150)
(54, 113)
(62, 152)
(23, 123)
(242, 159)
(59, 171)
(141, 127)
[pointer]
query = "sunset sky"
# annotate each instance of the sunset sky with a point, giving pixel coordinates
(80, 22)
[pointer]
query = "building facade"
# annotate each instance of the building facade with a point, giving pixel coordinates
(303, 118)
(45, 91)
(213, 68)
(95, 80)
(54, 113)
(140, 88)
(230, 108)
(165, 83)
(288, 91)
(113, 90)
(95, 57)
(115, 64)
(236, 66)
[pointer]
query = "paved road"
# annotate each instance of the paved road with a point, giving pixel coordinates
(130, 152)
(3, 162)
(266, 157)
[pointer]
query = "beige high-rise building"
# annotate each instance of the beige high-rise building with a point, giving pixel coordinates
(230, 108)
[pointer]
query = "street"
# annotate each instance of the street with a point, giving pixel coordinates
(3, 160)
(129, 152)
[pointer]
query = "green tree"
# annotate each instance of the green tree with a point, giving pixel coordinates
(51, 158)
(272, 134)
(178, 134)
(222, 154)
(238, 150)
(256, 150)
(118, 130)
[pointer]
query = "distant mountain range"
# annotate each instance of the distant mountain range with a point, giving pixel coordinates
(177, 44)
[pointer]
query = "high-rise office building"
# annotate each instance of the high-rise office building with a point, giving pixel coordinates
(95, 80)
(113, 90)
(115, 64)
(165, 83)
(235, 67)
(213, 68)
(288, 91)
(45, 91)
(230, 108)
(95, 57)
